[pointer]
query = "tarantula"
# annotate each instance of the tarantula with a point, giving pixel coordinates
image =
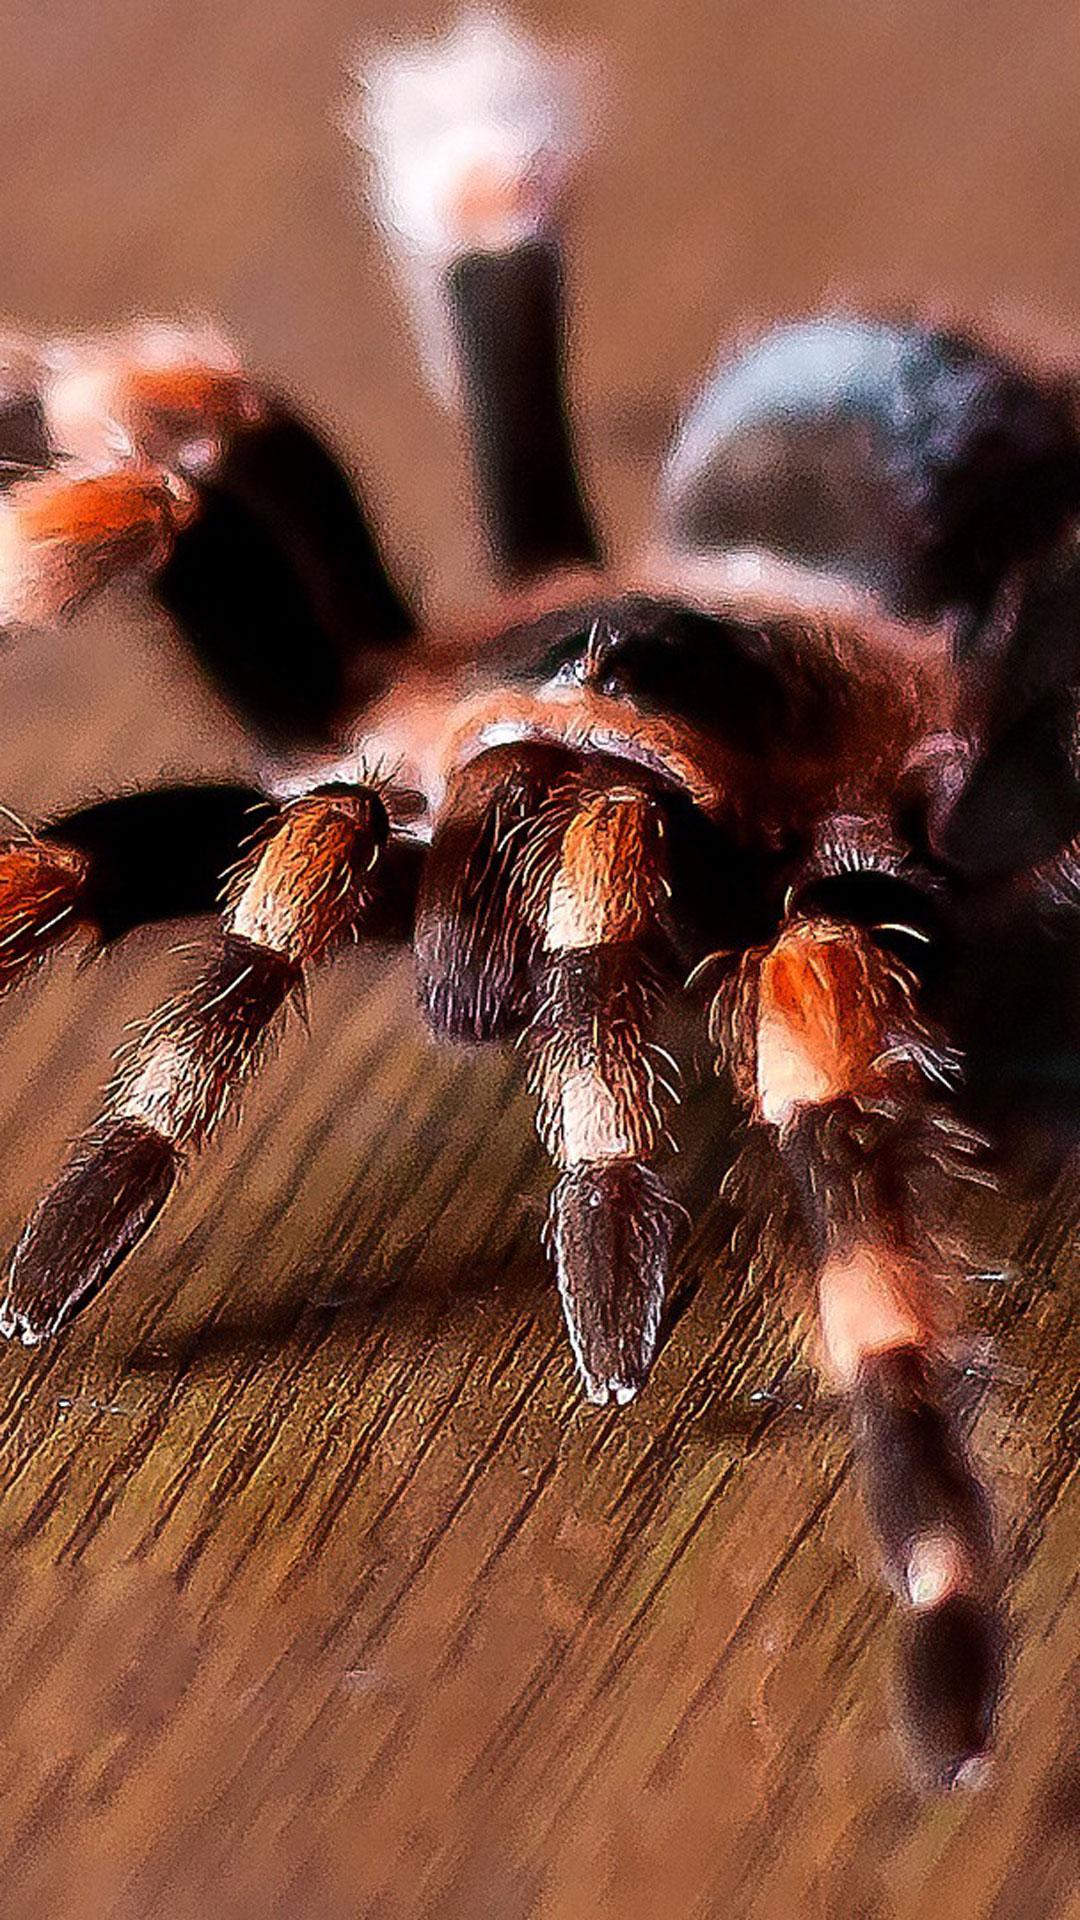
(779, 761)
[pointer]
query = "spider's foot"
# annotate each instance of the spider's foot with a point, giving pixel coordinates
(612, 1225)
(950, 1676)
(104, 1201)
(934, 1526)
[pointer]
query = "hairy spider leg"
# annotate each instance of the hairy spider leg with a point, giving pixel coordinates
(542, 915)
(305, 889)
(239, 513)
(281, 588)
(596, 889)
(179, 397)
(473, 141)
(834, 1055)
(66, 533)
(510, 329)
(476, 946)
(117, 864)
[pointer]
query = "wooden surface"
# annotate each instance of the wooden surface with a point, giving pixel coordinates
(322, 1594)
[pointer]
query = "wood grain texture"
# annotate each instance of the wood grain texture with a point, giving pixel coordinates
(322, 1593)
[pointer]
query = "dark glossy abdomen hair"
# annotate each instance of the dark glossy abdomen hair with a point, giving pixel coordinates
(909, 461)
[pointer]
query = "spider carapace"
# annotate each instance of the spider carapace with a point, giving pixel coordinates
(775, 764)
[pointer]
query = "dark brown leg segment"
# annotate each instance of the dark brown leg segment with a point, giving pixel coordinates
(300, 895)
(280, 588)
(509, 325)
(277, 582)
(266, 564)
(476, 945)
(832, 1053)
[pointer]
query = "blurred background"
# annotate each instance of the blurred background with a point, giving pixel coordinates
(756, 162)
(320, 1592)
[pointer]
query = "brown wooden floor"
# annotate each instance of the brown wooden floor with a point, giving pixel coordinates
(322, 1594)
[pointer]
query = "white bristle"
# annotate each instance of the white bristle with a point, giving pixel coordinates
(79, 401)
(471, 138)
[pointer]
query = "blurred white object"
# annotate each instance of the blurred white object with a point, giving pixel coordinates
(473, 137)
(472, 141)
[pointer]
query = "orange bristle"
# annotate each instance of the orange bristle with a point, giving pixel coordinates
(825, 1001)
(168, 409)
(65, 535)
(41, 892)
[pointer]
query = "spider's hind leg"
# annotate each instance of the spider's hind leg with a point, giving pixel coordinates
(834, 1055)
(473, 141)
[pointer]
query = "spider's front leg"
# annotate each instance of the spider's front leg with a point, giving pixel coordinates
(833, 1054)
(474, 141)
(122, 863)
(305, 890)
(541, 914)
(596, 890)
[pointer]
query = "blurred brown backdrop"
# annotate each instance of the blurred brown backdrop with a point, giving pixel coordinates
(321, 1592)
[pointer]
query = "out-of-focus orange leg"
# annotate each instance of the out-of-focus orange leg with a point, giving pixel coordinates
(66, 534)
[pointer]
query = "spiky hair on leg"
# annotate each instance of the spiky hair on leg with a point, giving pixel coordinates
(471, 141)
(830, 1176)
(833, 1054)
